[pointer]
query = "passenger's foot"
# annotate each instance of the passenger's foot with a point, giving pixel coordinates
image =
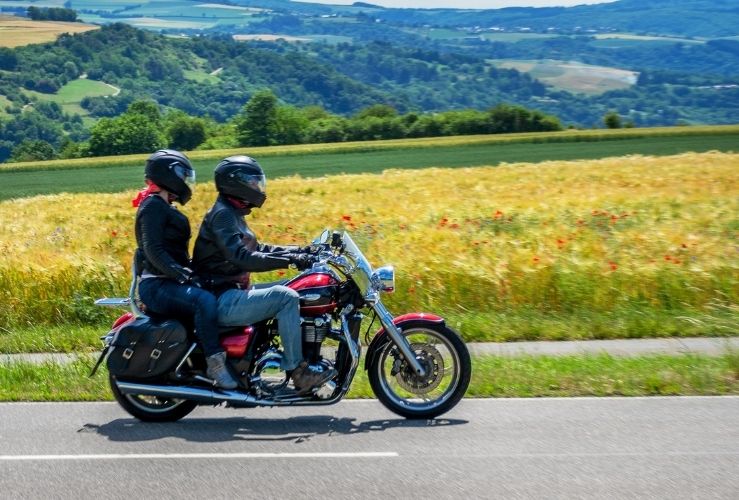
(217, 371)
(306, 378)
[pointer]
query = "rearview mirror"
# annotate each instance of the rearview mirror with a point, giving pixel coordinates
(323, 238)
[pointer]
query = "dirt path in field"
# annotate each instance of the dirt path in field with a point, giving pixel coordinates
(116, 90)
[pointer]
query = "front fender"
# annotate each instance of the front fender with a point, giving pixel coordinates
(381, 338)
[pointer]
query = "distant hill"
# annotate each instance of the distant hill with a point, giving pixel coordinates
(347, 58)
(177, 73)
(696, 18)
(687, 18)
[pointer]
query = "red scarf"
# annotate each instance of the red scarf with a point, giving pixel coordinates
(237, 203)
(150, 189)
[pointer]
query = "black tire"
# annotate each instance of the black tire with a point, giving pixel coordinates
(150, 408)
(445, 347)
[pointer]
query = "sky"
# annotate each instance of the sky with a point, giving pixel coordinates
(464, 4)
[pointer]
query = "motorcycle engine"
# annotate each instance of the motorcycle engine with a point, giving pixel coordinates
(314, 331)
(270, 378)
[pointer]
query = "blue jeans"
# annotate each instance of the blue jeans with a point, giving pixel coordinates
(184, 302)
(246, 307)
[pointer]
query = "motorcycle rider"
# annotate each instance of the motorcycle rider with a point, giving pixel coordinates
(167, 286)
(227, 251)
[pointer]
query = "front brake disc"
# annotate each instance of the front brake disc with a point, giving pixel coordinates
(432, 361)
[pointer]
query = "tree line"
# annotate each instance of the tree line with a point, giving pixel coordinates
(52, 14)
(264, 121)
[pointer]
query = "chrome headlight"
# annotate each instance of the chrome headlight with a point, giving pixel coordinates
(383, 279)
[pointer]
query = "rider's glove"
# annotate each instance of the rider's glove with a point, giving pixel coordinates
(301, 261)
(195, 281)
(189, 278)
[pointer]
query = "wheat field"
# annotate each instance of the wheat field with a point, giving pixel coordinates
(634, 235)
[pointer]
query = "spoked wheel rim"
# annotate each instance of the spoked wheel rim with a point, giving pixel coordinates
(440, 360)
(153, 404)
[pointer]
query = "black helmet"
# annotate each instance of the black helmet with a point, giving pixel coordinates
(241, 177)
(171, 170)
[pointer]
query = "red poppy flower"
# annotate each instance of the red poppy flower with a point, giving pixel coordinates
(346, 217)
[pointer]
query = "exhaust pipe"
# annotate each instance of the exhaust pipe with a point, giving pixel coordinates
(213, 396)
(216, 396)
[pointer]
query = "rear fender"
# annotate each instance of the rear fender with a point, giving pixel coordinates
(382, 338)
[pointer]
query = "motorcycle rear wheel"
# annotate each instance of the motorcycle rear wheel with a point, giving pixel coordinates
(152, 408)
(443, 354)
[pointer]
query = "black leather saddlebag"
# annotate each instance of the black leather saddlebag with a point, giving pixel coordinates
(146, 349)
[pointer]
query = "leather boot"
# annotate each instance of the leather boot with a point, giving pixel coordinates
(217, 371)
(305, 378)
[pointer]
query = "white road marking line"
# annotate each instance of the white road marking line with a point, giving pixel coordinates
(636, 454)
(158, 456)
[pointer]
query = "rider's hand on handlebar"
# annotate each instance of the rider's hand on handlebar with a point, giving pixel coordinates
(309, 249)
(301, 261)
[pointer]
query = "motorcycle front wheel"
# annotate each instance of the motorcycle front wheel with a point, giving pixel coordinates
(152, 408)
(446, 360)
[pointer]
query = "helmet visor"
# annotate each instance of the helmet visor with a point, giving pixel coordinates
(256, 182)
(185, 173)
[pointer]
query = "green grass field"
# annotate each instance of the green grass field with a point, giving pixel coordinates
(22, 180)
(200, 76)
(71, 94)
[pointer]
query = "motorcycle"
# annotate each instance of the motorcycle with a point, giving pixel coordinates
(417, 366)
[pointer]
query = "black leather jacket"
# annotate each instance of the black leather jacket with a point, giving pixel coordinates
(226, 250)
(162, 235)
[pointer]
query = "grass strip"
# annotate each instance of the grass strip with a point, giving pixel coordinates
(55, 339)
(525, 376)
(510, 326)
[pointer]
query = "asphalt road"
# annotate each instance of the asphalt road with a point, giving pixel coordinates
(505, 448)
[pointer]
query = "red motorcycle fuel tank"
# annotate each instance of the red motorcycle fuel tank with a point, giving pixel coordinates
(317, 292)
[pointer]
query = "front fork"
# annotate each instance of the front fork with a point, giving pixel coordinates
(398, 338)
